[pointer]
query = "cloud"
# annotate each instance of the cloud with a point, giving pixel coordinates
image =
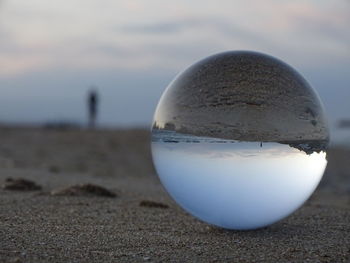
(157, 28)
(41, 38)
(138, 36)
(218, 24)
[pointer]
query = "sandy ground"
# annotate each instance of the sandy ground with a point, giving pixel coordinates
(38, 227)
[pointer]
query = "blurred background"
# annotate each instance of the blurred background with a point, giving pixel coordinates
(52, 52)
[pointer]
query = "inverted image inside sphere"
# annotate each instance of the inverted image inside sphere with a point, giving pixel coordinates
(239, 140)
(245, 96)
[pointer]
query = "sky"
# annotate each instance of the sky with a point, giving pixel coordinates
(52, 52)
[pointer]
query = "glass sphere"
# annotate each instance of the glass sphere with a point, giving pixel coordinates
(239, 140)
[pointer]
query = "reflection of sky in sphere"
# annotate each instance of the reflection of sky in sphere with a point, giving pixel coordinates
(238, 185)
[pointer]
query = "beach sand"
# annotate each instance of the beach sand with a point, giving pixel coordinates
(36, 226)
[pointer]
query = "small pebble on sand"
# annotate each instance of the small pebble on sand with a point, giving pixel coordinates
(84, 190)
(152, 204)
(20, 184)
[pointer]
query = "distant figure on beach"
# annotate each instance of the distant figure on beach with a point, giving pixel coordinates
(92, 107)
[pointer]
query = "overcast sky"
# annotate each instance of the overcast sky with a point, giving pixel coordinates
(52, 51)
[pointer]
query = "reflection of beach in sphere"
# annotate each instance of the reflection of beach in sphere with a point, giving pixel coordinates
(239, 140)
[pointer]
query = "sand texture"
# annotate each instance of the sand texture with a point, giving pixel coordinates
(137, 221)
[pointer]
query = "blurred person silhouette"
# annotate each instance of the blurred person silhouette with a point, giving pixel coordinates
(92, 102)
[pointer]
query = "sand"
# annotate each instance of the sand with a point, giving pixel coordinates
(36, 226)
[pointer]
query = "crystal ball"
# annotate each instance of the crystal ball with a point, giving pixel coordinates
(239, 140)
